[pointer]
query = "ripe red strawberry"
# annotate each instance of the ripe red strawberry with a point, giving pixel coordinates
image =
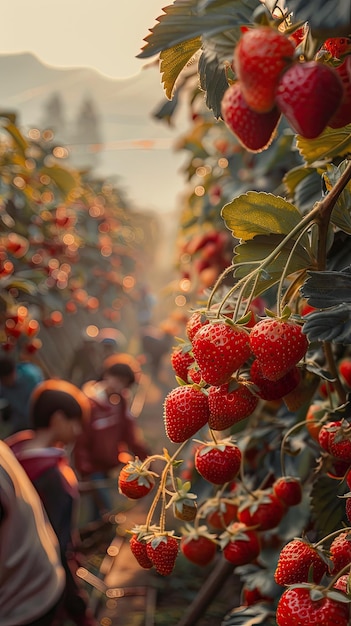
(264, 510)
(298, 606)
(185, 412)
(240, 545)
(220, 348)
(255, 131)
(194, 374)
(194, 323)
(342, 116)
(250, 596)
(340, 552)
(344, 366)
(221, 513)
(337, 46)
(162, 551)
(348, 508)
(138, 548)
(135, 481)
(181, 360)
(308, 94)
(199, 546)
(343, 583)
(278, 345)
(260, 56)
(335, 438)
(297, 561)
(288, 490)
(228, 406)
(274, 389)
(218, 463)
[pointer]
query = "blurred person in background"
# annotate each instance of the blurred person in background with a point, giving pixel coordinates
(17, 381)
(111, 433)
(57, 411)
(32, 578)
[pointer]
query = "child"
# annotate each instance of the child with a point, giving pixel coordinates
(57, 411)
(111, 430)
(32, 578)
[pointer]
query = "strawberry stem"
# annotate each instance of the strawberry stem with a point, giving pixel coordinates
(162, 488)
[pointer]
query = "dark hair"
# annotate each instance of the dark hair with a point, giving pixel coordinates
(45, 404)
(7, 366)
(122, 370)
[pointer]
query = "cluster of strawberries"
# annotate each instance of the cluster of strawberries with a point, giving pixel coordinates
(274, 78)
(218, 351)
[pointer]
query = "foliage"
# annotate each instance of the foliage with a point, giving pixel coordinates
(282, 216)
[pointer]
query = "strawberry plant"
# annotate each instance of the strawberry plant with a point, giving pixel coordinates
(270, 382)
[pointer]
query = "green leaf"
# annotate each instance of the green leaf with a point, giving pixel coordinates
(328, 511)
(341, 215)
(258, 249)
(254, 213)
(173, 60)
(65, 180)
(326, 18)
(188, 19)
(332, 142)
(327, 289)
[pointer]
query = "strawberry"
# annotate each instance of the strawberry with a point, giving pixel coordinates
(162, 551)
(263, 510)
(340, 552)
(335, 438)
(337, 46)
(185, 412)
(134, 480)
(194, 374)
(218, 463)
(288, 490)
(343, 583)
(220, 348)
(255, 131)
(198, 545)
(308, 94)
(252, 595)
(221, 513)
(297, 561)
(303, 606)
(194, 323)
(183, 501)
(342, 116)
(348, 509)
(138, 548)
(260, 57)
(228, 404)
(274, 389)
(278, 345)
(181, 360)
(344, 365)
(240, 545)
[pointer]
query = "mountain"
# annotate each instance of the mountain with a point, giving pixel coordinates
(136, 149)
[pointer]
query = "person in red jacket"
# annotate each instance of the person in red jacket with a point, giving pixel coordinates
(111, 433)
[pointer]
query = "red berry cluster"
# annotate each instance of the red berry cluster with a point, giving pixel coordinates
(274, 79)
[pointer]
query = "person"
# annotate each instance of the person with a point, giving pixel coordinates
(111, 434)
(85, 360)
(57, 410)
(32, 578)
(17, 381)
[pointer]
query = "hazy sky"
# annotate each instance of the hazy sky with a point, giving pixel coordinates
(104, 34)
